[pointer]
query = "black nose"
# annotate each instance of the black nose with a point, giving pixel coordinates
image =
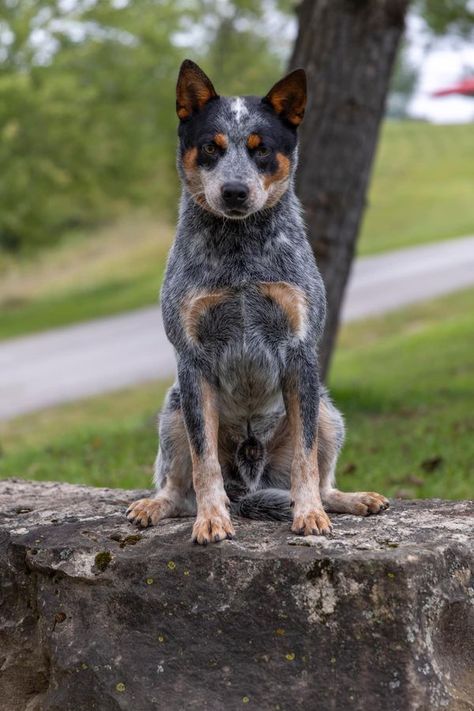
(234, 194)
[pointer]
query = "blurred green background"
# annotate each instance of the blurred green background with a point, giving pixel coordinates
(88, 196)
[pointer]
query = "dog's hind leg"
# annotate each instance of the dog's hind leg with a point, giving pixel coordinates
(173, 470)
(330, 440)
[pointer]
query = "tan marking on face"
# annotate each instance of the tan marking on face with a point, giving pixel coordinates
(221, 140)
(193, 176)
(253, 141)
(195, 305)
(292, 301)
(281, 174)
(189, 159)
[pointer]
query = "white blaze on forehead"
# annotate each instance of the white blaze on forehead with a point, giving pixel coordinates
(239, 108)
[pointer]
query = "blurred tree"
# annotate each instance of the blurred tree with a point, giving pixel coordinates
(348, 48)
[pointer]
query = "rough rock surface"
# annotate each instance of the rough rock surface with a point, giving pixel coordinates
(95, 614)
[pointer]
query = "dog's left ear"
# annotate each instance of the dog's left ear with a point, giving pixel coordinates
(288, 97)
(193, 90)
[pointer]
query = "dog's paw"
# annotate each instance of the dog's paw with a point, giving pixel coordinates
(212, 527)
(147, 512)
(311, 523)
(359, 503)
(365, 503)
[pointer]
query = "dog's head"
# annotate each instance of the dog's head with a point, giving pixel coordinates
(237, 154)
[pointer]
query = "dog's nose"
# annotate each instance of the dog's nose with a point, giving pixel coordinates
(234, 194)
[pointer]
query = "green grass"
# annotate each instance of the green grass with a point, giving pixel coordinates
(404, 383)
(421, 192)
(109, 440)
(119, 269)
(422, 186)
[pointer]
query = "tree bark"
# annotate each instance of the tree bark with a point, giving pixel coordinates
(348, 48)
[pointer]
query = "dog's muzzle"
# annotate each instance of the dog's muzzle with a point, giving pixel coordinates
(235, 196)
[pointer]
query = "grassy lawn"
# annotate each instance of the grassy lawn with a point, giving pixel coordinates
(421, 186)
(119, 268)
(421, 192)
(404, 382)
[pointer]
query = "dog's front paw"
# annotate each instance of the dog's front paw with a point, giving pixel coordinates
(147, 512)
(212, 526)
(311, 523)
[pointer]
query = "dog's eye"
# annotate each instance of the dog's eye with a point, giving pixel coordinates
(262, 152)
(209, 149)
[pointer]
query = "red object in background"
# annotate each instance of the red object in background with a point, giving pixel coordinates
(465, 88)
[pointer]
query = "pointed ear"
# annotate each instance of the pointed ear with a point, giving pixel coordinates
(288, 97)
(193, 90)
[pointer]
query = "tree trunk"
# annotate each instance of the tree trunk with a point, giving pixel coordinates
(348, 48)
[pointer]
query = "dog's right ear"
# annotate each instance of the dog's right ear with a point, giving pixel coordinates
(193, 90)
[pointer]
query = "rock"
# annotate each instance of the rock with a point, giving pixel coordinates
(95, 614)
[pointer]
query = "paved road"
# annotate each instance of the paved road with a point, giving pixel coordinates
(111, 353)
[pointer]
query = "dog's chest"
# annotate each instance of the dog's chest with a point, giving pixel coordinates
(254, 317)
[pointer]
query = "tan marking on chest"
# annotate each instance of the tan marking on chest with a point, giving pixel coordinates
(292, 301)
(195, 305)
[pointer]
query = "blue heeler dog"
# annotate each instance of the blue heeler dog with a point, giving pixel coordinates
(247, 426)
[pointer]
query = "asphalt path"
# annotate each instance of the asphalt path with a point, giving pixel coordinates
(107, 354)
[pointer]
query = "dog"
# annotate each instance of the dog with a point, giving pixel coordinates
(247, 428)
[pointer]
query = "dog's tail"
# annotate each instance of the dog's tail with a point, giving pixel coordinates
(264, 505)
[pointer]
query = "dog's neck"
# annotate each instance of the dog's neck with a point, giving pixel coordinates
(257, 227)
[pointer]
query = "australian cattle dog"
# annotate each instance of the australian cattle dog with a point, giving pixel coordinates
(247, 428)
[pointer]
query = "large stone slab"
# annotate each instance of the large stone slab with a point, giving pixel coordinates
(95, 614)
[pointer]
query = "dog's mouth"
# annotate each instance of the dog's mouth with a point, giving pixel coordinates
(236, 213)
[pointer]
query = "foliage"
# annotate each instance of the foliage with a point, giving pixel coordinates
(87, 102)
(448, 16)
(404, 383)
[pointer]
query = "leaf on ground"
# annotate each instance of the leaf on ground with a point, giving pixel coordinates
(432, 463)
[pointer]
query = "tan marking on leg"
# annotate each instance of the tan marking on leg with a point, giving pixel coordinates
(360, 503)
(221, 140)
(213, 521)
(309, 516)
(253, 141)
(327, 447)
(195, 305)
(169, 501)
(292, 300)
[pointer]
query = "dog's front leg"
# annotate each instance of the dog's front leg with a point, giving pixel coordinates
(199, 402)
(301, 395)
